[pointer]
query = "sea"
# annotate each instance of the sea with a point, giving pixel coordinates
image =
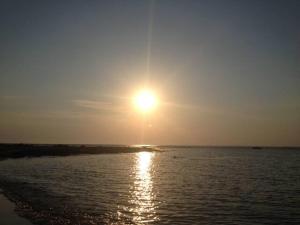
(179, 185)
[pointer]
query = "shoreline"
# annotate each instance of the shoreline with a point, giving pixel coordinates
(13, 210)
(8, 214)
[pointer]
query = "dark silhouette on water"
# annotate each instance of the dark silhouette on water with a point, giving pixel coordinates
(35, 150)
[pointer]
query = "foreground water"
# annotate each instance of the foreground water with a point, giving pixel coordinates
(177, 186)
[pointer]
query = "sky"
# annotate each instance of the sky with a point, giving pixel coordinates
(225, 72)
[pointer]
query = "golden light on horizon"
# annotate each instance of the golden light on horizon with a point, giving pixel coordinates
(145, 101)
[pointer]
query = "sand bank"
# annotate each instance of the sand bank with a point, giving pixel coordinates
(7, 214)
(35, 150)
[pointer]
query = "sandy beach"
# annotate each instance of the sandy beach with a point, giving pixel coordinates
(7, 214)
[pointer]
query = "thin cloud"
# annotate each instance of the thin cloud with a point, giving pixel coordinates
(99, 105)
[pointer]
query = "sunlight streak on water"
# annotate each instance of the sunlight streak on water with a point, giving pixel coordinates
(142, 194)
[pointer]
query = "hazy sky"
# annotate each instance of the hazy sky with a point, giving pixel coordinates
(226, 72)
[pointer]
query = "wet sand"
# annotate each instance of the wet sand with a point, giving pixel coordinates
(7, 214)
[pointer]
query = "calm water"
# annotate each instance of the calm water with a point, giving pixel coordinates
(178, 186)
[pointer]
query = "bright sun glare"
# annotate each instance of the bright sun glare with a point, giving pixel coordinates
(145, 101)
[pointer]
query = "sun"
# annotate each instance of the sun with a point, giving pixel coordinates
(145, 101)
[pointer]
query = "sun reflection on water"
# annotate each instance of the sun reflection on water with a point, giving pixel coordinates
(142, 192)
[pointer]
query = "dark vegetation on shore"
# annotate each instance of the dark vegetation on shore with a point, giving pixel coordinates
(35, 150)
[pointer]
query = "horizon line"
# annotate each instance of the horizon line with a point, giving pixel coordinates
(157, 145)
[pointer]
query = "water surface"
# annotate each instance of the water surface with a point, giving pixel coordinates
(178, 186)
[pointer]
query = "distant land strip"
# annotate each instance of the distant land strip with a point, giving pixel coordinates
(39, 150)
